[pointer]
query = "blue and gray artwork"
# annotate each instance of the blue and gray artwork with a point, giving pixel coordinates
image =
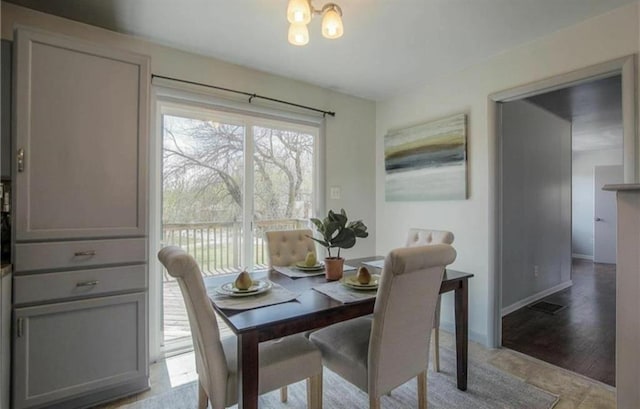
(427, 162)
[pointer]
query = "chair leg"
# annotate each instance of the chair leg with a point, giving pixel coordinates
(436, 350)
(374, 402)
(422, 390)
(203, 399)
(314, 392)
(283, 394)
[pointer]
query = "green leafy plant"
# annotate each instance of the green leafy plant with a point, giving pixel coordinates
(338, 232)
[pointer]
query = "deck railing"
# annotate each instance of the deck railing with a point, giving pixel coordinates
(217, 246)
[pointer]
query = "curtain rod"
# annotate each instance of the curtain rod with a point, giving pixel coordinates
(248, 94)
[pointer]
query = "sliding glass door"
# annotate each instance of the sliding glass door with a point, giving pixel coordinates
(226, 179)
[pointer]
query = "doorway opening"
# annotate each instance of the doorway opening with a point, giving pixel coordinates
(557, 226)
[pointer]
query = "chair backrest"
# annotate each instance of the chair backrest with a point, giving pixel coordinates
(422, 237)
(286, 247)
(403, 314)
(211, 363)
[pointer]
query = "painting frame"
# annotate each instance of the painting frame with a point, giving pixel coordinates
(428, 161)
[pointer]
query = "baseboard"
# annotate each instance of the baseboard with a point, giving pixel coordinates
(473, 336)
(535, 297)
(582, 256)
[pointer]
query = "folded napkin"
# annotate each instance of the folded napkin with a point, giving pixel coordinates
(344, 294)
(276, 295)
(297, 273)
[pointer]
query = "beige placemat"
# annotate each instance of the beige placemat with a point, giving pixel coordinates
(344, 294)
(276, 295)
(295, 273)
(376, 263)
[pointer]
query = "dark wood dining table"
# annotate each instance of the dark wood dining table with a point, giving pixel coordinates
(312, 310)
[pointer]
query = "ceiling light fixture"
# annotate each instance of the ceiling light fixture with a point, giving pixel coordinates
(299, 13)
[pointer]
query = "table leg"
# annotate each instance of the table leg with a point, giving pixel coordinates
(462, 333)
(248, 371)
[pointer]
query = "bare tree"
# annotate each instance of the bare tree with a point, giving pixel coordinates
(203, 162)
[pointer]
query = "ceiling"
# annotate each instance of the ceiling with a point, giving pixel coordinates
(595, 110)
(388, 47)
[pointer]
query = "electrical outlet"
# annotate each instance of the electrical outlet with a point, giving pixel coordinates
(536, 270)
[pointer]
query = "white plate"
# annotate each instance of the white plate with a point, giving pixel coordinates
(352, 282)
(301, 266)
(257, 287)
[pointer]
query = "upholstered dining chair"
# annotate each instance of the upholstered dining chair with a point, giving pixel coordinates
(381, 353)
(287, 247)
(424, 237)
(282, 362)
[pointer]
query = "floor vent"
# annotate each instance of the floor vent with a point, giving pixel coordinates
(547, 307)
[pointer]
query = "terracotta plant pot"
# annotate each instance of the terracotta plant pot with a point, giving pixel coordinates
(333, 268)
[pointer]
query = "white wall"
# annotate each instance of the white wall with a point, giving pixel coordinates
(600, 39)
(536, 205)
(582, 196)
(349, 136)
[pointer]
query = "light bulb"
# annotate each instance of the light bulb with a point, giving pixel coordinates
(299, 11)
(298, 34)
(332, 24)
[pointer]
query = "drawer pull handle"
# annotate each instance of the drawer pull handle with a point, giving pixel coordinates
(87, 283)
(85, 253)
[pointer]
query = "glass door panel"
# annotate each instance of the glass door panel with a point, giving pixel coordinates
(202, 202)
(283, 162)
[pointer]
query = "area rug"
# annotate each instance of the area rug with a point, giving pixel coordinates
(488, 388)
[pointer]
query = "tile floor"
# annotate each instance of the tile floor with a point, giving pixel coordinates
(575, 391)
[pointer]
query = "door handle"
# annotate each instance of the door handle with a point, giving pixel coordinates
(598, 219)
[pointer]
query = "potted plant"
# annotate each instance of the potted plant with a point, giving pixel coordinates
(338, 233)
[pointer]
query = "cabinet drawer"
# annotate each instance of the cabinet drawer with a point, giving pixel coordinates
(83, 283)
(69, 254)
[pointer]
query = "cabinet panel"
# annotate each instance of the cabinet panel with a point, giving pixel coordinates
(81, 123)
(68, 349)
(47, 287)
(74, 254)
(5, 110)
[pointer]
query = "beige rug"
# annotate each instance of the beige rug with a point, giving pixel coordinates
(489, 388)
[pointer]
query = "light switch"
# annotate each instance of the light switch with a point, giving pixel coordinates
(335, 192)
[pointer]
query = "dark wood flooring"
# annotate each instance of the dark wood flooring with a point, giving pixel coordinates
(580, 338)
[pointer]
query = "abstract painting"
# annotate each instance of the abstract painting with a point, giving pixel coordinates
(427, 161)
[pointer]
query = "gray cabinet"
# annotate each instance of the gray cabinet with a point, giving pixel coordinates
(80, 206)
(81, 139)
(74, 348)
(5, 110)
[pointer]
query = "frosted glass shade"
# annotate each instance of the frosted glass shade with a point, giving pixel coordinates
(298, 34)
(332, 24)
(299, 11)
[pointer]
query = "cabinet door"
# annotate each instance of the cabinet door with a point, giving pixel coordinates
(81, 139)
(64, 350)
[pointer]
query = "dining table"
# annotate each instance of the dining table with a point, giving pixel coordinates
(311, 310)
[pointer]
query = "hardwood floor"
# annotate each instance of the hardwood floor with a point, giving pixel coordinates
(580, 338)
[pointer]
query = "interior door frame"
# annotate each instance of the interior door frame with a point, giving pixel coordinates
(626, 67)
